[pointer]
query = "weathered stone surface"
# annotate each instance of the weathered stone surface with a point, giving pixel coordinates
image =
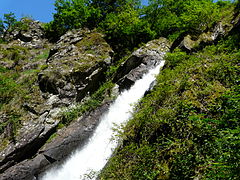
(27, 169)
(27, 144)
(17, 145)
(31, 34)
(140, 62)
(76, 65)
(75, 135)
(188, 44)
(67, 140)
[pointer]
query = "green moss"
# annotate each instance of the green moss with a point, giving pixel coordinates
(53, 136)
(42, 55)
(8, 87)
(84, 65)
(93, 43)
(43, 67)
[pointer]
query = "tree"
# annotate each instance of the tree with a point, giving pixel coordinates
(7, 24)
(1, 27)
(125, 29)
(112, 6)
(175, 16)
(9, 20)
(198, 15)
(72, 14)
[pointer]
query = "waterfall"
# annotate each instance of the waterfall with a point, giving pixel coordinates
(93, 156)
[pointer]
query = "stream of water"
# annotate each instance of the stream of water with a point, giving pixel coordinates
(93, 156)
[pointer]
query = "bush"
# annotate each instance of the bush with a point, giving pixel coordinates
(124, 35)
(193, 16)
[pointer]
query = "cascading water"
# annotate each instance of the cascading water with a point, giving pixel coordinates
(94, 155)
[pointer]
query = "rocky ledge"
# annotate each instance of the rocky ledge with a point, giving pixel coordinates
(140, 61)
(188, 43)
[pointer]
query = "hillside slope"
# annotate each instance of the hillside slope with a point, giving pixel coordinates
(188, 127)
(56, 81)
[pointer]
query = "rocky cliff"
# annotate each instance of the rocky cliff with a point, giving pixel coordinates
(52, 95)
(52, 79)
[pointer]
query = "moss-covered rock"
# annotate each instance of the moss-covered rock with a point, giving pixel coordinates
(36, 84)
(28, 32)
(76, 65)
(193, 42)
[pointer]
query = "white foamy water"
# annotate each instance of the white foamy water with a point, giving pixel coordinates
(94, 155)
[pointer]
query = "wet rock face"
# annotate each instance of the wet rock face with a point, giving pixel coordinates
(76, 65)
(67, 140)
(140, 62)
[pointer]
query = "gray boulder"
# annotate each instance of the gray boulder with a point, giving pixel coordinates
(140, 62)
(54, 152)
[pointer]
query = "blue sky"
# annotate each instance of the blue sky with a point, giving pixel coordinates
(41, 10)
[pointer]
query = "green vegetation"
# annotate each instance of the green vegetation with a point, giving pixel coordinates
(17, 86)
(117, 28)
(188, 127)
(181, 16)
(91, 103)
(9, 20)
(71, 14)
(166, 18)
(10, 23)
(43, 55)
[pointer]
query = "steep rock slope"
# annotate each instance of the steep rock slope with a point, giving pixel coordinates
(35, 85)
(76, 65)
(73, 70)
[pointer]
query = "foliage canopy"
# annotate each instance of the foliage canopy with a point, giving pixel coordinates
(128, 23)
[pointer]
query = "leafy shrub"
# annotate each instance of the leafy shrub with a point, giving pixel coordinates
(8, 87)
(168, 17)
(124, 35)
